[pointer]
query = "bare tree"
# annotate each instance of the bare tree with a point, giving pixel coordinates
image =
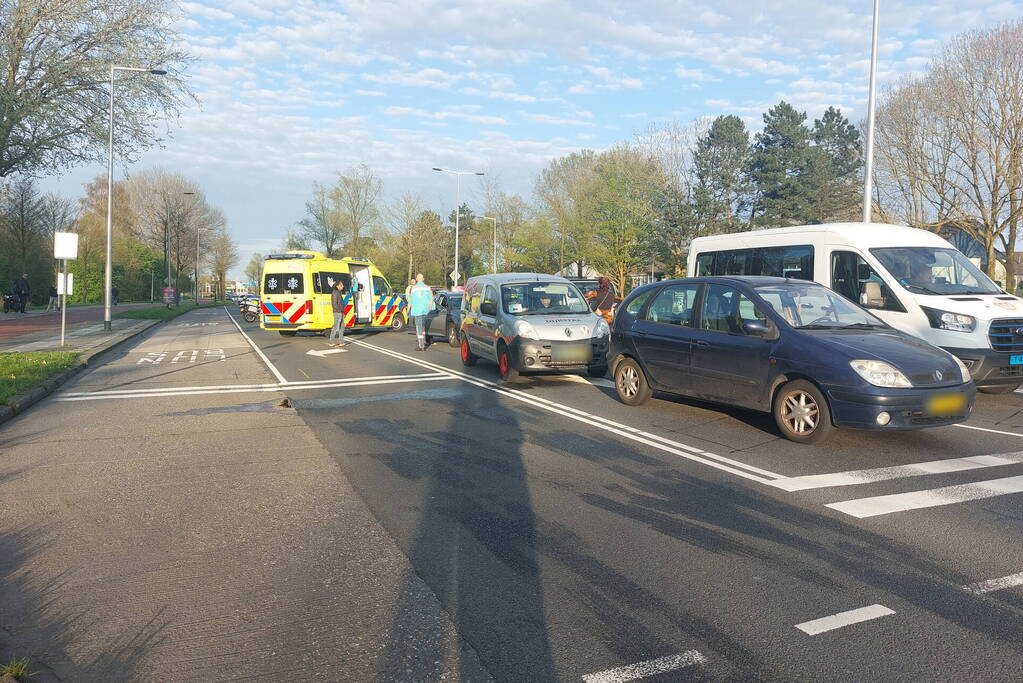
(563, 193)
(55, 57)
(254, 270)
(951, 141)
(223, 255)
(356, 195)
(322, 225)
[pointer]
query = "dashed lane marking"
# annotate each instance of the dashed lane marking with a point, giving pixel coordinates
(819, 481)
(915, 500)
(667, 445)
(654, 667)
(992, 585)
(853, 616)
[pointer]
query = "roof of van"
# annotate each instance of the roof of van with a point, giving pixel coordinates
(505, 278)
(865, 235)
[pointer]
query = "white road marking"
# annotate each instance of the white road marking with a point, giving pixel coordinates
(916, 469)
(255, 389)
(689, 452)
(853, 616)
(325, 352)
(634, 672)
(995, 584)
(992, 431)
(915, 500)
(285, 385)
(273, 369)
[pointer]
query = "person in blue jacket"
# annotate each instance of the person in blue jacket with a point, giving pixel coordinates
(420, 301)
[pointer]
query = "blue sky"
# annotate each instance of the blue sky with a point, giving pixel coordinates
(294, 91)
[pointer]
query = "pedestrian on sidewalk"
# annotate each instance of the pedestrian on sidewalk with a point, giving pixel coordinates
(113, 295)
(337, 304)
(23, 290)
(52, 303)
(420, 304)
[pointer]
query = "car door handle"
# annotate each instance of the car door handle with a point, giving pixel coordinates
(702, 344)
(641, 333)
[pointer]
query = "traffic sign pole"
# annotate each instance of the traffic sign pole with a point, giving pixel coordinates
(63, 302)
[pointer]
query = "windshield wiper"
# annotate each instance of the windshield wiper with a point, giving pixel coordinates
(925, 290)
(818, 326)
(863, 326)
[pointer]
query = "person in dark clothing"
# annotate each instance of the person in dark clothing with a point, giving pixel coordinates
(53, 303)
(337, 304)
(113, 295)
(603, 299)
(23, 290)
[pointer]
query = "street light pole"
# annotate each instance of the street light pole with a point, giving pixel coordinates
(868, 170)
(458, 177)
(195, 284)
(108, 268)
(493, 262)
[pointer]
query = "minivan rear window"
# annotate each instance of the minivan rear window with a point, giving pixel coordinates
(791, 261)
(283, 283)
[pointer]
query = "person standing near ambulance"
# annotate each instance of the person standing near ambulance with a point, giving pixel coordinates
(337, 305)
(420, 301)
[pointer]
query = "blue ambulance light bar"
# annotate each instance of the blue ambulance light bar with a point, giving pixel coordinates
(277, 257)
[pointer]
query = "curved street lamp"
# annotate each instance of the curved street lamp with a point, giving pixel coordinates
(458, 176)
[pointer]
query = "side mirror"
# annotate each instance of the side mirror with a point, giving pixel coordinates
(488, 308)
(756, 328)
(999, 283)
(871, 295)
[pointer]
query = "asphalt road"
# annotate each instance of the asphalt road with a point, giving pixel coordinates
(564, 535)
(571, 537)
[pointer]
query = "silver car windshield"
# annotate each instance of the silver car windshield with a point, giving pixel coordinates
(538, 298)
(933, 270)
(813, 307)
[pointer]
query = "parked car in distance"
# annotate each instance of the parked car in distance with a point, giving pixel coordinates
(793, 348)
(446, 318)
(589, 284)
(527, 322)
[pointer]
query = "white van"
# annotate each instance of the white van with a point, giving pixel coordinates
(912, 279)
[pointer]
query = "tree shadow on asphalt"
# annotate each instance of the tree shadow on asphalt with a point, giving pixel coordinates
(738, 520)
(473, 541)
(35, 625)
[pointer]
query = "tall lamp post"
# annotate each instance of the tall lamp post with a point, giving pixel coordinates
(108, 270)
(868, 170)
(458, 176)
(493, 262)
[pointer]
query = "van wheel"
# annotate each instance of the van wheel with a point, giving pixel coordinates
(452, 335)
(468, 357)
(505, 364)
(633, 389)
(801, 412)
(287, 333)
(398, 322)
(999, 389)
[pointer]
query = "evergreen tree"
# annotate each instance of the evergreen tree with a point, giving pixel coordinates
(838, 156)
(721, 162)
(782, 165)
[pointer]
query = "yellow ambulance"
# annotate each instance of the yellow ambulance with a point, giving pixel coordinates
(296, 286)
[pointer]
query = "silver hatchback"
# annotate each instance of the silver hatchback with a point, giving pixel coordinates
(528, 322)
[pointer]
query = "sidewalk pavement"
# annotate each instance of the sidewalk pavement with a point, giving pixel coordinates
(83, 336)
(183, 535)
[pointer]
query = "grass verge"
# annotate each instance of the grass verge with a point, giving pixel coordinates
(17, 668)
(161, 312)
(21, 371)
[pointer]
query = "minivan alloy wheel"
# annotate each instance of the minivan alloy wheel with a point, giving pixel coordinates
(629, 381)
(801, 412)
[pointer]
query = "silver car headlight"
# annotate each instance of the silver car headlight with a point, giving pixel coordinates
(962, 368)
(880, 374)
(525, 330)
(601, 329)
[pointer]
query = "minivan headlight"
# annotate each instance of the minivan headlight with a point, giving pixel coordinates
(524, 329)
(962, 368)
(945, 320)
(879, 373)
(601, 329)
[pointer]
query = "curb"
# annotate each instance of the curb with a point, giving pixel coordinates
(26, 399)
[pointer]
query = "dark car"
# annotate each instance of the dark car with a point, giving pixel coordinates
(446, 318)
(796, 349)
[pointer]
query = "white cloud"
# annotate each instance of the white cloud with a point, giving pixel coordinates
(499, 95)
(698, 75)
(371, 93)
(446, 114)
(547, 119)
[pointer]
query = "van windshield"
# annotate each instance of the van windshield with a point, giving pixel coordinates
(935, 270)
(813, 307)
(531, 298)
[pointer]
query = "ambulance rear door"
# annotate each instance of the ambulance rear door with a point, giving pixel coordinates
(364, 297)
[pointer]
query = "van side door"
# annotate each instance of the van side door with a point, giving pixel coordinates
(486, 323)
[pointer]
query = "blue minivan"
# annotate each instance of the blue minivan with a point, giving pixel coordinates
(796, 349)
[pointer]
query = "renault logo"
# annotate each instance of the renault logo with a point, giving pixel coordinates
(1018, 332)
(568, 331)
(938, 376)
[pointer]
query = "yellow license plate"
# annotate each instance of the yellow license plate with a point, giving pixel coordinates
(947, 404)
(273, 318)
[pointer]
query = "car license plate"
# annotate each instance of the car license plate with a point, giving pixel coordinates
(1015, 360)
(947, 404)
(272, 318)
(571, 354)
